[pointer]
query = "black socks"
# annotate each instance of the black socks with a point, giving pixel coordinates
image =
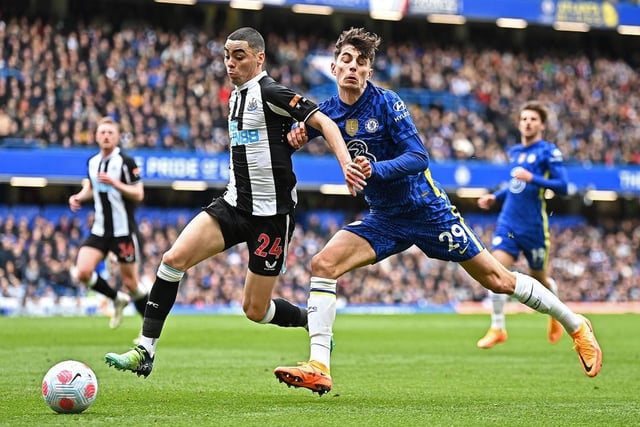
(288, 315)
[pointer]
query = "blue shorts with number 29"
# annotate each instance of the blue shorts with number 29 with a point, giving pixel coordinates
(440, 234)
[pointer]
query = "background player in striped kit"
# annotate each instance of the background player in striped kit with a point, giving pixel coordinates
(258, 205)
(523, 226)
(406, 207)
(114, 184)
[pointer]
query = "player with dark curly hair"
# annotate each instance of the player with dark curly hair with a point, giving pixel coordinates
(406, 207)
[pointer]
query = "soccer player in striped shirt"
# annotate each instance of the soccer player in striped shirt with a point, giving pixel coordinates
(258, 206)
(114, 184)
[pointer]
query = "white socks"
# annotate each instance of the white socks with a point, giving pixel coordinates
(553, 286)
(498, 301)
(149, 344)
(268, 316)
(533, 294)
(497, 314)
(321, 310)
(92, 280)
(138, 293)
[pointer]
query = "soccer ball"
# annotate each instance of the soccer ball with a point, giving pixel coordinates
(69, 387)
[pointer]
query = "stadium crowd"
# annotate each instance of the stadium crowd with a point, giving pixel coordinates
(590, 263)
(169, 89)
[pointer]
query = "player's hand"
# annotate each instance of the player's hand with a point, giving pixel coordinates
(485, 202)
(365, 166)
(74, 203)
(297, 136)
(354, 177)
(522, 174)
(105, 178)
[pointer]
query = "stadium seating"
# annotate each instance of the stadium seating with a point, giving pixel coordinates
(456, 90)
(596, 263)
(173, 96)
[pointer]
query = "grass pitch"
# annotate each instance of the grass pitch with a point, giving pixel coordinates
(401, 370)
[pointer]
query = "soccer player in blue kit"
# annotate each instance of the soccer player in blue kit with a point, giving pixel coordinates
(523, 226)
(406, 207)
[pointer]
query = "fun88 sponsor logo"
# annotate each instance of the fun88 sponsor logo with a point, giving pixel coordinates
(242, 137)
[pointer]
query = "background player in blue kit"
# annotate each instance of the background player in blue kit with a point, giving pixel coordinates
(258, 206)
(523, 226)
(406, 207)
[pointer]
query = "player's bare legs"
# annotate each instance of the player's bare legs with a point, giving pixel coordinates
(497, 332)
(131, 282)
(494, 276)
(344, 252)
(200, 239)
(85, 272)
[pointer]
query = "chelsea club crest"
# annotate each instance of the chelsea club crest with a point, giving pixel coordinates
(371, 125)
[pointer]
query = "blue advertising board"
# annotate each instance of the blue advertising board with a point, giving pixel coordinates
(452, 175)
(595, 13)
(161, 168)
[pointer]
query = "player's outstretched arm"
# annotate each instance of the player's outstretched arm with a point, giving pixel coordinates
(298, 136)
(86, 193)
(486, 201)
(352, 172)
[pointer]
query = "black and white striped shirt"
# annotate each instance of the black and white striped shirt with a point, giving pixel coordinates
(261, 113)
(114, 214)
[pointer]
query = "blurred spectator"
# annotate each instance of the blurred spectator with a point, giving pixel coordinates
(7, 124)
(592, 263)
(170, 90)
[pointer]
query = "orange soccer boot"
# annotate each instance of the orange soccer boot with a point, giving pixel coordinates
(312, 375)
(554, 331)
(586, 345)
(492, 337)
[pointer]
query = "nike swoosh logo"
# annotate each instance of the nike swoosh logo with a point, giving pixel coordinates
(586, 367)
(462, 251)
